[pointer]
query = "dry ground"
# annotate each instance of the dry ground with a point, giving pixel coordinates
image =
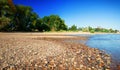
(49, 52)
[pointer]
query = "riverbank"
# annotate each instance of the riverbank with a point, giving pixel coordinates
(49, 51)
(58, 33)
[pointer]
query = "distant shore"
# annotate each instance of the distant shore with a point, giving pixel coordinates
(58, 33)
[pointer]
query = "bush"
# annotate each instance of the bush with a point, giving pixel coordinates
(92, 31)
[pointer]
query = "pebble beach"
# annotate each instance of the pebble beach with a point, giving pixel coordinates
(35, 51)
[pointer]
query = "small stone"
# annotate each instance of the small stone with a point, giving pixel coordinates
(88, 59)
(93, 67)
(52, 62)
(81, 66)
(36, 65)
(61, 67)
(35, 53)
(89, 69)
(72, 59)
(1, 58)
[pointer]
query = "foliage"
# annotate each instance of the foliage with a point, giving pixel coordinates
(98, 29)
(85, 29)
(5, 15)
(22, 18)
(54, 23)
(42, 26)
(73, 28)
(92, 31)
(4, 23)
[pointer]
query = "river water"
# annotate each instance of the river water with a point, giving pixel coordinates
(110, 43)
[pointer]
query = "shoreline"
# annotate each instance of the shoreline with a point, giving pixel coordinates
(51, 51)
(61, 33)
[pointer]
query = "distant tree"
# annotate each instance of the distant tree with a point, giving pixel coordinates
(90, 28)
(62, 26)
(85, 29)
(98, 29)
(54, 22)
(111, 30)
(73, 28)
(80, 28)
(116, 31)
(42, 26)
(32, 20)
(92, 31)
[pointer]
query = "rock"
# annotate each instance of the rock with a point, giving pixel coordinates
(61, 67)
(81, 66)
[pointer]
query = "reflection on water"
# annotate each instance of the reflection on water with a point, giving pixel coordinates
(107, 42)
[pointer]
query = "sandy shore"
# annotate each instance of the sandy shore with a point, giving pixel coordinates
(49, 51)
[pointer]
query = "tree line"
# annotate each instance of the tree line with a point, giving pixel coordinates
(22, 18)
(92, 30)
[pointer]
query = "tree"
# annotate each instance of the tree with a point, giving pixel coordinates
(92, 31)
(111, 30)
(15, 21)
(54, 23)
(85, 29)
(5, 16)
(12, 6)
(116, 31)
(22, 18)
(97, 29)
(42, 26)
(73, 28)
(62, 26)
(4, 23)
(90, 28)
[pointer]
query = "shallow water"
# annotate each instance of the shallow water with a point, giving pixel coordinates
(110, 43)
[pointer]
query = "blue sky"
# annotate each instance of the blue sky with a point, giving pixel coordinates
(83, 13)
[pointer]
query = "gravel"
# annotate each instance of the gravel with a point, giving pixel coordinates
(19, 52)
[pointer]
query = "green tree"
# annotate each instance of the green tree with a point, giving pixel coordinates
(85, 29)
(4, 23)
(54, 22)
(98, 29)
(90, 28)
(111, 30)
(5, 16)
(80, 28)
(73, 28)
(42, 26)
(22, 18)
(92, 31)
(116, 31)
(62, 26)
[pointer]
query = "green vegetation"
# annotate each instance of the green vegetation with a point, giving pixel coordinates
(98, 29)
(73, 28)
(22, 18)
